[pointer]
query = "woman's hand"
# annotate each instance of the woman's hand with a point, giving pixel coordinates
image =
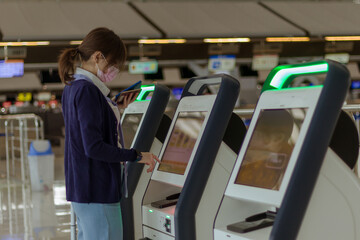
(149, 159)
(128, 99)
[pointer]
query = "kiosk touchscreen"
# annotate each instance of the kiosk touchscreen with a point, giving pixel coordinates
(183, 153)
(131, 120)
(130, 125)
(181, 143)
(185, 132)
(273, 141)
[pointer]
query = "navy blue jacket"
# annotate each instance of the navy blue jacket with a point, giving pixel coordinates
(92, 158)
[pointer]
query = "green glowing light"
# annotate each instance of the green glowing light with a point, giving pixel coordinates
(151, 210)
(281, 76)
(145, 90)
(307, 87)
(167, 216)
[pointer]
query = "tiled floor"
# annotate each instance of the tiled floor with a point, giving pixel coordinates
(26, 214)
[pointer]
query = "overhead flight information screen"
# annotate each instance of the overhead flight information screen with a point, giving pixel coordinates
(11, 68)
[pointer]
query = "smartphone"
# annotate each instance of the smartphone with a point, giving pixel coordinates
(135, 88)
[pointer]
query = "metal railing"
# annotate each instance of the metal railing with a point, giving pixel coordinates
(19, 131)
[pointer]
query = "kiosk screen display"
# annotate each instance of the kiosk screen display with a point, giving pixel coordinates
(270, 147)
(130, 125)
(182, 141)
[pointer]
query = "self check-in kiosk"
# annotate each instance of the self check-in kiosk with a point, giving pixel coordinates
(195, 137)
(287, 182)
(143, 123)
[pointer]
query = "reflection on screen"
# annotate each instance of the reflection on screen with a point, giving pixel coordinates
(130, 125)
(182, 141)
(149, 96)
(270, 147)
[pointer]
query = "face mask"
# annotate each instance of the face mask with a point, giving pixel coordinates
(109, 75)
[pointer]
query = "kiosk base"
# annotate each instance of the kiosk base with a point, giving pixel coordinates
(152, 234)
(161, 219)
(333, 211)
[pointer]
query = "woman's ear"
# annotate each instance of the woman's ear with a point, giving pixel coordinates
(96, 56)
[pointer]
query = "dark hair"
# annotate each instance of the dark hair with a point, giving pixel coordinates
(99, 39)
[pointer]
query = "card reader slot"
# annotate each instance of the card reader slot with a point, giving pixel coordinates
(164, 203)
(254, 222)
(244, 227)
(173, 196)
(256, 217)
(259, 216)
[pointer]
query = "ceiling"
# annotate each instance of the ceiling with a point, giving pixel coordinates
(73, 19)
(322, 18)
(69, 20)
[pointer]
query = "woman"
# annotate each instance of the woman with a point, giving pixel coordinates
(93, 136)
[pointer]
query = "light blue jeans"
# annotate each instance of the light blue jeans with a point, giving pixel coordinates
(97, 221)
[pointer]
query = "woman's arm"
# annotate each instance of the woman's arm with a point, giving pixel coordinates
(89, 110)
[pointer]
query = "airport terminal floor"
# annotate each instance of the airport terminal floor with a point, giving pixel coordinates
(34, 215)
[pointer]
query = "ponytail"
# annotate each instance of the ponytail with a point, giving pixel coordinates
(67, 60)
(99, 39)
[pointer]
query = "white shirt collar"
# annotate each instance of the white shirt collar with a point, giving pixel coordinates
(102, 87)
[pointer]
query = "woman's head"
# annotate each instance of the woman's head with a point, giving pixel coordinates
(100, 50)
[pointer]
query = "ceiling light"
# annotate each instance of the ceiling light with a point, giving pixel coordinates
(342, 38)
(226, 40)
(16, 44)
(287, 39)
(75, 42)
(161, 41)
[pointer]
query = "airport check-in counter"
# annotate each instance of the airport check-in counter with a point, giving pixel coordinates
(196, 135)
(143, 123)
(290, 180)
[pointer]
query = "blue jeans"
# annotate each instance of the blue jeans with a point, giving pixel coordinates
(97, 221)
